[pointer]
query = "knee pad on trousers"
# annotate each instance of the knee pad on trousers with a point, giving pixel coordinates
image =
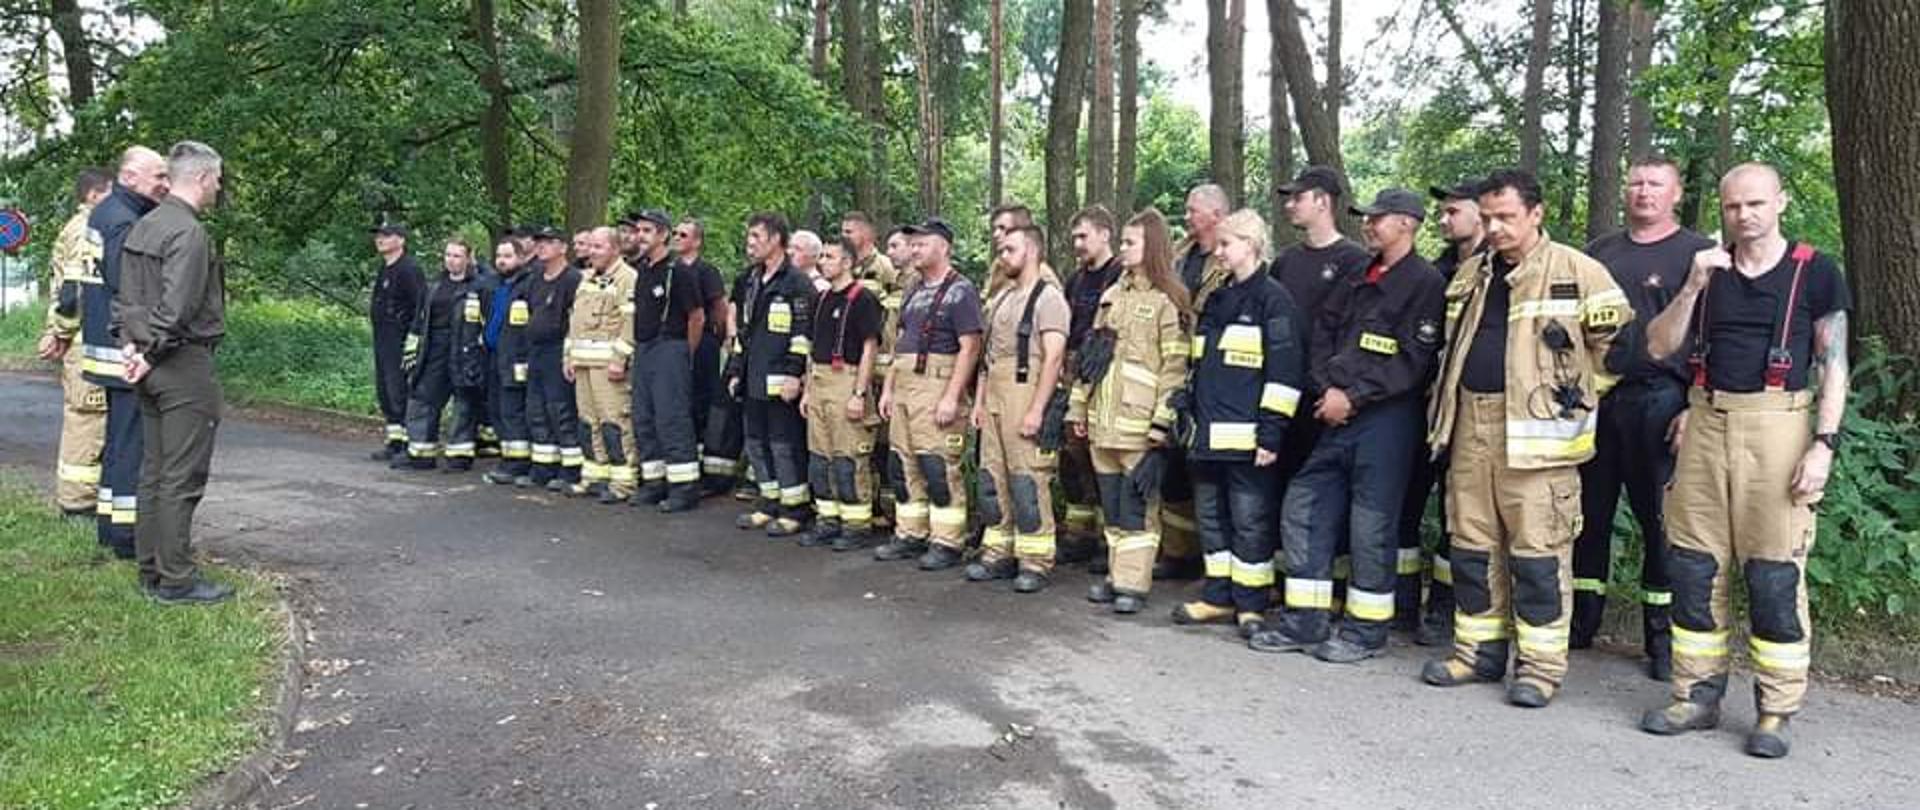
(1026, 504)
(1536, 589)
(934, 469)
(1110, 496)
(820, 476)
(846, 486)
(1470, 582)
(989, 499)
(1691, 573)
(610, 436)
(897, 477)
(1773, 600)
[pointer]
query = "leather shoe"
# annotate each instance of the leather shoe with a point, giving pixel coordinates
(900, 548)
(983, 571)
(939, 558)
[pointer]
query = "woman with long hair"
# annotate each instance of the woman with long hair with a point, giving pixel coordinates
(1123, 410)
(1248, 369)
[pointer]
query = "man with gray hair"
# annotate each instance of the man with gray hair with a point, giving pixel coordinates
(171, 312)
(804, 249)
(139, 186)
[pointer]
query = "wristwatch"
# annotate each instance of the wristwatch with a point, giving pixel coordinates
(1831, 440)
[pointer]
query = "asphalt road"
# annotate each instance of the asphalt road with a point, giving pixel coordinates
(474, 646)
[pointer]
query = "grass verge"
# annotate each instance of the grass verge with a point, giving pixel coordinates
(108, 700)
(303, 353)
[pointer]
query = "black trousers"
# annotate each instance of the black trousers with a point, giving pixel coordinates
(390, 381)
(1428, 480)
(553, 420)
(777, 448)
(507, 400)
(704, 382)
(1352, 488)
(1234, 505)
(431, 393)
(180, 403)
(1630, 451)
(722, 440)
(120, 460)
(663, 432)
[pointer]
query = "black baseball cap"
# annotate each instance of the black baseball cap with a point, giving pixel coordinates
(1459, 191)
(1320, 178)
(389, 229)
(655, 216)
(1393, 201)
(547, 233)
(629, 219)
(936, 226)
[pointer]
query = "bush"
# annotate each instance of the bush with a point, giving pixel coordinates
(1866, 561)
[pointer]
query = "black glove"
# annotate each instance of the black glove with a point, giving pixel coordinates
(1095, 357)
(1146, 475)
(1053, 424)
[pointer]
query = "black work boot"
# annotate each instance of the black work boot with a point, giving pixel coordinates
(1529, 694)
(823, 533)
(1129, 603)
(939, 558)
(498, 476)
(198, 592)
(1100, 560)
(1436, 627)
(900, 548)
(981, 571)
(785, 527)
(1342, 650)
(650, 494)
(1769, 738)
(851, 539)
(679, 502)
(1679, 717)
(1588, 609)
(1101, 592)
(1029, 581)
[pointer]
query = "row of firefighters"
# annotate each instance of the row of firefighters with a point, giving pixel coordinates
(1274, 427)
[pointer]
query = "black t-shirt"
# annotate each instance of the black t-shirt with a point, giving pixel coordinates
(440, 305)
(1744, 315)
(1309, 273)
(843, 320)
(550, 304)
(1450, 259)
(1485, 371)
(1649, 274)
(1083, 297)
(1193, 264)
(713, 291)
(958, 314)
(663, 295)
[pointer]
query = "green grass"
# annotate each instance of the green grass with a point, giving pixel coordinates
(298, 352)
(106, 699)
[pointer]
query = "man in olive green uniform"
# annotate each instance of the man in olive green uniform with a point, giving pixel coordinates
(83, 421)
(171, 310)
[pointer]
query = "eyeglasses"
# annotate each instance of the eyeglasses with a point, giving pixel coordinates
(683, 234)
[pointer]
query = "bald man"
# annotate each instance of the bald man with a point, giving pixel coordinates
(139, 186)
(599, 348)
(1767, 319)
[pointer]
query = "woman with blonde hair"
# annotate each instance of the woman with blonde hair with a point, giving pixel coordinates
(1248, 370)
(1122, 406)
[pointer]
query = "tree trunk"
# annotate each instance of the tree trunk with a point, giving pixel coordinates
(1226, 125)
(929, 151)
(1336, 89)
(1641, 24)
(1063, 125)
(680, 8)
(1279, 131)
(1533, 95)
(74, 48)
(822, 11)
(876, 111)
(494, 121)
(855, 58)
(1100, 108)
(1609, 119)
(590, 154)
(1575, 105)
(1317, 132)
(1873, 87)
(1125, 159)
(996, 110)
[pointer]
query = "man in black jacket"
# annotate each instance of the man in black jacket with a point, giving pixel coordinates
(141, 184)
(446, 358)
(397, 291)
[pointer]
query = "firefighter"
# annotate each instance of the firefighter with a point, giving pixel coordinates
(445, 359)
(716, 416)
(1097, 269)
(1460, 226)
(840, 405)
(398, 287)
(1763, 317)
(1246, 372)
(1123, 411)
(774, 304)
(1529, 326)
(83, 419)
(1640, 417)
(925, 401)
(553, 418)
(1026, 338)
(138, 188)
(1206, 208)
(1371, 358)
(669, 316)
(506, 339)
(599, 350)
(876, 270)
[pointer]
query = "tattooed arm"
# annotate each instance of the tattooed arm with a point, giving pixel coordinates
(1830, 360)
